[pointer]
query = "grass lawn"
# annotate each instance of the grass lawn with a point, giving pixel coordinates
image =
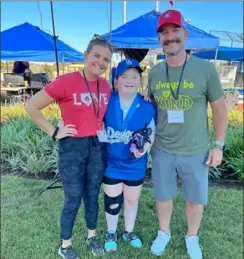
(30, 224)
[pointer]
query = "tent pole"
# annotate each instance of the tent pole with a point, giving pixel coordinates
(7, 65)
(54, 38)
(157, 6)
(110, 23)
(63, 64)
(216, 55)
(124, 12)
(110, 30)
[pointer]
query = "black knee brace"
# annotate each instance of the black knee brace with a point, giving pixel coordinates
(109, 201)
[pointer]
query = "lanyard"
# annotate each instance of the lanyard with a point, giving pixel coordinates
(96, 111)
(181, 76)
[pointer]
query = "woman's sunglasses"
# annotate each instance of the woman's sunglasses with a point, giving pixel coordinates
(101, 38)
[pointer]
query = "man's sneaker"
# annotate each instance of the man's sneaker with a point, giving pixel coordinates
(68, 252)
(95, 246)
(160, 243)
(132, 238)
(111, 242)
(193, 248)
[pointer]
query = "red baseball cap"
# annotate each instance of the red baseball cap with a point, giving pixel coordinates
(170, 16)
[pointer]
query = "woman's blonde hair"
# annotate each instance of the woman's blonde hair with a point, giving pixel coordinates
(99, 40)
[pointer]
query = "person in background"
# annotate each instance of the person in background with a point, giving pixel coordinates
(83, 98)
(182, 86)
(20, 67)
(126, 114)
(113, 74)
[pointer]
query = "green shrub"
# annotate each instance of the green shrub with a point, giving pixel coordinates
(234, 151)
(26, 148)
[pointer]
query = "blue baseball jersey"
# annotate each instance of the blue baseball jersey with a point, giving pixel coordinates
(121, 165)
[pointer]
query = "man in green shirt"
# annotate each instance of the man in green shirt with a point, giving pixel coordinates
(182, 86)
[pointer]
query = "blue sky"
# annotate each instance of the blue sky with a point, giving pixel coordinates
(76, 22)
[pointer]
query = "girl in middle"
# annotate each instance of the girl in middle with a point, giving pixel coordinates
(127, 112)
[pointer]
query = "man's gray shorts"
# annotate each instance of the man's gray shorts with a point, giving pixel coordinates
(191, 170)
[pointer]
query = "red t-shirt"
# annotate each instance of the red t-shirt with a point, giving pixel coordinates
(71, 93)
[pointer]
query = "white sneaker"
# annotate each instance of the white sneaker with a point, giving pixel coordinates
(160, 243)
(193, 248)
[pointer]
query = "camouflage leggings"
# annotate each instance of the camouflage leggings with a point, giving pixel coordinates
(81, 166)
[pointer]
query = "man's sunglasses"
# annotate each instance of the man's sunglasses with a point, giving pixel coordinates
(101, 38)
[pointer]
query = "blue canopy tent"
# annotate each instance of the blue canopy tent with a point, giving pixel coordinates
(27, 42)
(224, 53)
(140, 33)
(48, 56)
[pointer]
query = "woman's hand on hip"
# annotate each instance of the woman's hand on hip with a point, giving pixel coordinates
(68, 130)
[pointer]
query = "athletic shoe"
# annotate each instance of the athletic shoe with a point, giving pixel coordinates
(160, 243)
(95, 246)
(67, 252)
(132, 238)
(111, 242)
(193, 248)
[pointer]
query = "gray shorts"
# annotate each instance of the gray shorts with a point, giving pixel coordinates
(191, 170)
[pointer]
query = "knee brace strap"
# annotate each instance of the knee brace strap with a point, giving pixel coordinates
(109, 201)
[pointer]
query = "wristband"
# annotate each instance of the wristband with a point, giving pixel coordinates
(219, 145)
(55, 133)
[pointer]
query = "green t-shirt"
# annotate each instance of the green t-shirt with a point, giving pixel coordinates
(200, 84)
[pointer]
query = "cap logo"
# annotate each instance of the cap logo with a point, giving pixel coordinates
(128, 62)
(167, 15)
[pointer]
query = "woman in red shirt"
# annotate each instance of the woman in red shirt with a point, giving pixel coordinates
(82, 98)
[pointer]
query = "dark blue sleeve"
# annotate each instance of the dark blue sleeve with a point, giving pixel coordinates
(113, 75)
(154, 113)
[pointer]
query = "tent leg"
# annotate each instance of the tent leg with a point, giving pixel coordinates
(63, 67)
(55, 39)
(216, 55)
(63, 64)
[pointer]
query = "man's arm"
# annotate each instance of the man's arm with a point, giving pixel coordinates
(216, 98)
(220, 118)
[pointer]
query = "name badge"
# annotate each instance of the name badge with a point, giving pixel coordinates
(175, 116)
(102, 136)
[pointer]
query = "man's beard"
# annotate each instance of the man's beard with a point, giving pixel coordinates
(172, 54)
(166, 43)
